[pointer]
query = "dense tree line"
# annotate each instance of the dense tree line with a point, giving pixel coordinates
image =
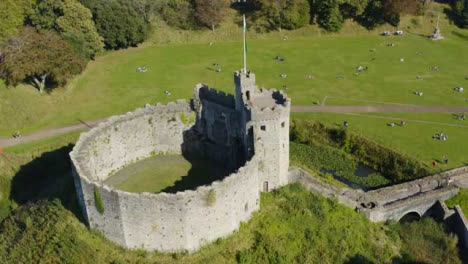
(45, 42)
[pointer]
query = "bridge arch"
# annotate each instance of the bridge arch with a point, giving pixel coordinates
(410, 216)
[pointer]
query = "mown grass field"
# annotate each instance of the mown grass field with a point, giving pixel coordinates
(111, 84)
(414, 139)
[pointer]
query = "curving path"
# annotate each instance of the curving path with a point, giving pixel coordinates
(83, 125)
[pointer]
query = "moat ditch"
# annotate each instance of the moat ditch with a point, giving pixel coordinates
(361, 172)
(166, 173)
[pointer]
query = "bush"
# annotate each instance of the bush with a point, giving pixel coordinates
(279, 14)
(426, 241)
(177, 13)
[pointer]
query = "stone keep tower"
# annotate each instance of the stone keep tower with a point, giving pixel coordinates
(264, 115)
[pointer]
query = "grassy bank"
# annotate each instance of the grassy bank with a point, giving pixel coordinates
(414, 139)
(37, 170)
(293, 226)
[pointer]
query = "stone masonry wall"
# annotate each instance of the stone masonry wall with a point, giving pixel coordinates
(166, 222)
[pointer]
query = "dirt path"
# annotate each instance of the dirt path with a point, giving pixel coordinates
(7, 142)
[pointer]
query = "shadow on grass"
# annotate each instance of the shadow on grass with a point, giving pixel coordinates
(47, 177)
(202, 172)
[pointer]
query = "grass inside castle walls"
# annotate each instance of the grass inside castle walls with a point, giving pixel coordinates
(292, 226)
(166, 173)
(111, 84)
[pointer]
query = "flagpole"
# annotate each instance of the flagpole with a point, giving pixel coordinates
(245, 52)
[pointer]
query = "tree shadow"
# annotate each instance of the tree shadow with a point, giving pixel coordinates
(202, 172)
(460, 35)
(358, 259)
(47, 177)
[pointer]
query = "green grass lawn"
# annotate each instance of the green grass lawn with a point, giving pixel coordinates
(414, 139)
(111, 85)
(166, 173)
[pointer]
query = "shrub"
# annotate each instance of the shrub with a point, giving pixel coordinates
(98, 201)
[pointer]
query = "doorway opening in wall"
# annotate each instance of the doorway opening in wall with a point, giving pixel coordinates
(265, 186)
(248, 95)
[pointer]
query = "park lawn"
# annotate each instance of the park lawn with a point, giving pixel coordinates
(111, 85)
(415, 139)
(166, 173)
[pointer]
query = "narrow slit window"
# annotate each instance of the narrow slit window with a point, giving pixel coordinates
(263, 128)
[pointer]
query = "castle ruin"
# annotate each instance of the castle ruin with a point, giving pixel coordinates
(247, 133)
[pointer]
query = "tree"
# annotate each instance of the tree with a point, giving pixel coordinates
(37, 58)
(177, 13)
(73, 21)
(118, 23)
(12, 16)
(329, 15)
(211, 13)
(373, 15)
(464, 16)
(279, 14)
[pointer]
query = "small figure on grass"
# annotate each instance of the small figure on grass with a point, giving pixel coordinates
(446, 160)
(402, 123)
(434, 163)
(345, 123)
(17, 134)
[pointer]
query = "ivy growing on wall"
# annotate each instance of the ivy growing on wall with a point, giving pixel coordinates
(187, 119)
(98, 201)
(210, 198)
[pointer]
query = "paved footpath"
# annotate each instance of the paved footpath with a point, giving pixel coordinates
(7, 142)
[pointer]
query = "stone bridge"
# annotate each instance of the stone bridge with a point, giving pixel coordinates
(416, 198)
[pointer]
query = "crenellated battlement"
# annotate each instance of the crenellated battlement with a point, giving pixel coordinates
(215, 96)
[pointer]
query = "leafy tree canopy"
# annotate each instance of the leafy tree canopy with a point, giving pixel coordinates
(118, 22)
(38, 57)
(211, 13)
(177, 13)
(278, 14)
(72, 20)
(12, 16)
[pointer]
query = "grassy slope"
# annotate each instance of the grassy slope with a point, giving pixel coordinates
(36, 165)
(415, 139)
(461, 199)
(111, 85)
(293, 226)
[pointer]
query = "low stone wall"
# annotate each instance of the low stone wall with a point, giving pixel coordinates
(166, 222)
(346, 196)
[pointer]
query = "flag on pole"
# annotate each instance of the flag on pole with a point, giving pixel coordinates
(245, 45)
